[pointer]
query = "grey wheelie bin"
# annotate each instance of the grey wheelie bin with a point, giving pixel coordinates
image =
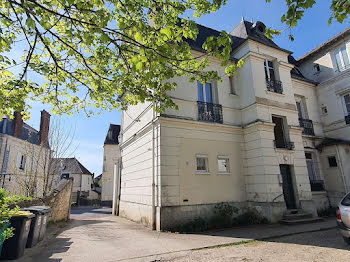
(42, 213)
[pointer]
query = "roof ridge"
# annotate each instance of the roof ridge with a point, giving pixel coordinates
(320, 46)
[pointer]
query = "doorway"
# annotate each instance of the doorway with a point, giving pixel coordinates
(288, 188)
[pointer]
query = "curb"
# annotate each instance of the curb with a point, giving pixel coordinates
(264, 238)
(297, 233)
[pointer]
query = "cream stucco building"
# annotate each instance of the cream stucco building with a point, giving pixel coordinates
(111, 155)
(25, 156)
(255, 140)
(328, 65)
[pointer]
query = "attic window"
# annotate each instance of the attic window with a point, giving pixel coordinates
(317, 68)
(261, 29)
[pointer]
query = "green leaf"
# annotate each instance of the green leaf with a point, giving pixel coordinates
(104, 38)
(138, 37)
(167, 31)
(30, 23)
(139, 66)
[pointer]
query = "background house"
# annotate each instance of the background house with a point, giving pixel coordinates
(110, 158)
(82, 177)
(25, 156)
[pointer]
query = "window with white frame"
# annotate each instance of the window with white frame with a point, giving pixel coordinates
(301, 109)
(223, 164)
(269, 70)
(310, 166)
(207, 93)
(346, 104)
(202, 164)
(342, 59)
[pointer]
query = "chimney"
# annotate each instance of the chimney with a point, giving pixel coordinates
(44, 127)
(18, 124)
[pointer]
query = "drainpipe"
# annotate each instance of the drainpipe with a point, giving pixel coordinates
(115, 207)
(154, 211)
(342, 170)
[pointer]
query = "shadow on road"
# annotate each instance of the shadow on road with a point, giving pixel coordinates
(55, 246)
(331, 238)
(93, 210)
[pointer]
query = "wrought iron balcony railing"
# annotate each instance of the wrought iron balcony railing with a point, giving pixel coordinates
(274, 86)
(209, 112)
(307, 125)
(284, 144)
(347, 119)
(317, 185)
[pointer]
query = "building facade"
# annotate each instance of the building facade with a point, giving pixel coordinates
(255, 140)
(110, 158)
(328, 65)
(25, 156)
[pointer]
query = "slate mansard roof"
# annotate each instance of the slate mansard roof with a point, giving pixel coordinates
(242, 32)
(112, 135)
(7, 126)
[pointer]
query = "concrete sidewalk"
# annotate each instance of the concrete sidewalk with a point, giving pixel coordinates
(94, 235)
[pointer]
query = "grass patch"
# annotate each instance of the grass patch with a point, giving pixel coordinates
(226, 245)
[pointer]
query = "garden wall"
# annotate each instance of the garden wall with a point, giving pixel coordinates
(59, 201)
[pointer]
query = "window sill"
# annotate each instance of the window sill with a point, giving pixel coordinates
(223, 174)
(202, 173)
(321, 192)
(284, 149)
(275, 93)
(234, 95)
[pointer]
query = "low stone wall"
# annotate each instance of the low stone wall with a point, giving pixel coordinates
(59, 201)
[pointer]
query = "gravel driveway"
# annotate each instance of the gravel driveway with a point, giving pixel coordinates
(316, 246)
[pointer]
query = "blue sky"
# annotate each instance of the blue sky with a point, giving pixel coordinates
(311, 31)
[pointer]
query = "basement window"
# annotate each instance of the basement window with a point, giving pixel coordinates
(223, 164)
(202, 164)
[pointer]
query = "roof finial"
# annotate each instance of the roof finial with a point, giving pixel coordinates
(242, 18)
(252, 20)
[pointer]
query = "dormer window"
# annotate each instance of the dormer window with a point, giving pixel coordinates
(259, 28)
(317, 68)
(342, 59)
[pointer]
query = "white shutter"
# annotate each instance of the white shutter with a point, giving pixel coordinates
(18, 160)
